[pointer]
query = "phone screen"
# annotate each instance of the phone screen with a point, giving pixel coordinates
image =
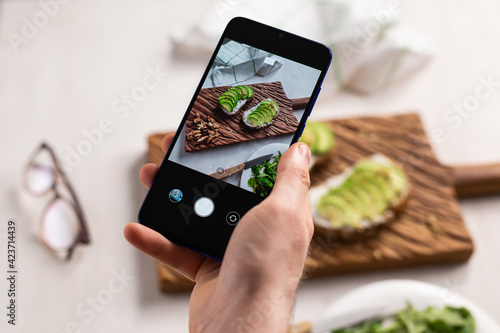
(251, 104)
(245, 116)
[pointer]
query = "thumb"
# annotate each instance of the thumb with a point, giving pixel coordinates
(292, 181)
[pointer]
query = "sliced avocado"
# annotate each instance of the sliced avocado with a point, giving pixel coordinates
(368, 209)
(227, 99)
(272, 104)
(379, 179)
(325, 138)
(268, 110)
(227, 105)
(308, 137)
(262, 115)
(257, 119)
(330, 206)
(241, 92)
(275, 107)
(244, 91)
(223, 96)
(384, 186)
(234, 91)
(253, 120)
(398, 179)
(333, 214)
(234, 95)
(356, 203)
(250, 91)
(319, 137)
(392, 176)
(376, 196)
(371, 165)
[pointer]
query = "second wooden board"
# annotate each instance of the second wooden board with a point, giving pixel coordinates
(431, 229)
(232, 129)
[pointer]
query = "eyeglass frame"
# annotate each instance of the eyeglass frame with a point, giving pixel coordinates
(59, 175)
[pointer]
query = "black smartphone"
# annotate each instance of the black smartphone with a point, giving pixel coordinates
(250, 106)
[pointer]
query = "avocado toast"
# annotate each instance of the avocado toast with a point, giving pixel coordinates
(262, 114)
(362, 198)
(233, 99)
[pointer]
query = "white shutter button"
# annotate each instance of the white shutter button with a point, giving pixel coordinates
(204, 207)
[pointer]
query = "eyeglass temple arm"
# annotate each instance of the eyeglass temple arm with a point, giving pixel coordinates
(84, 234)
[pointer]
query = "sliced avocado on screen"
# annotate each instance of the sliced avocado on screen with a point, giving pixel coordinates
(245, 91)
(229, 99)
(268, 111)
(240, 92)
(275, 107)
(227, 105)
(249, 90)
(260, 117)
(254, 120)
(272, 105)
(233, 95)
(263, 114)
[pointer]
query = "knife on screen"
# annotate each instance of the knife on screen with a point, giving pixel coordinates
(223, 173)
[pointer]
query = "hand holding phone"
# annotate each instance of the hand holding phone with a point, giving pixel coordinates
(263, 261)
(251, 104)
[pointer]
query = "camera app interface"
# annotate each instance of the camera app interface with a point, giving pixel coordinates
(245, 116)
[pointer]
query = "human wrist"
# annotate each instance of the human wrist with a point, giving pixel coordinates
(265, 310)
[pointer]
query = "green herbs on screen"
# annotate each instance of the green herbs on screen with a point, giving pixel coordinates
(264, 176)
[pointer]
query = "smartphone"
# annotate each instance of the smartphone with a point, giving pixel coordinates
(251, 104)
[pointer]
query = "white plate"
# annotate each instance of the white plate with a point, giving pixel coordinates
(420, 294)
(272, 148)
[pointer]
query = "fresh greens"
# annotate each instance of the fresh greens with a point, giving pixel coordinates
(264, 176)
(431, 320)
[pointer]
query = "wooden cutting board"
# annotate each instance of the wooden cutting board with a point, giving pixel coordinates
(232, 129)
(431, 229)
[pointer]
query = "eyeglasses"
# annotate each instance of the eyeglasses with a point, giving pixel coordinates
(63, 224)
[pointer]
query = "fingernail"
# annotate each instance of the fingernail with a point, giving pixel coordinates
(305, 151)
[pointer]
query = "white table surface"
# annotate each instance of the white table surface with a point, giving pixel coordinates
(65, 80)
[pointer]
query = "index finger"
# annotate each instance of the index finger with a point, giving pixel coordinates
(165, 143)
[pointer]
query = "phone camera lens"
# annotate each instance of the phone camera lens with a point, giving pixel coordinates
(281, 35)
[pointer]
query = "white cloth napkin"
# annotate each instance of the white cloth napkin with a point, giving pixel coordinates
(371, 48)
(237, 62)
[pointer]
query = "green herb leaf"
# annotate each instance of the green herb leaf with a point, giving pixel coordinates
(409, 320)
(264, 176)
